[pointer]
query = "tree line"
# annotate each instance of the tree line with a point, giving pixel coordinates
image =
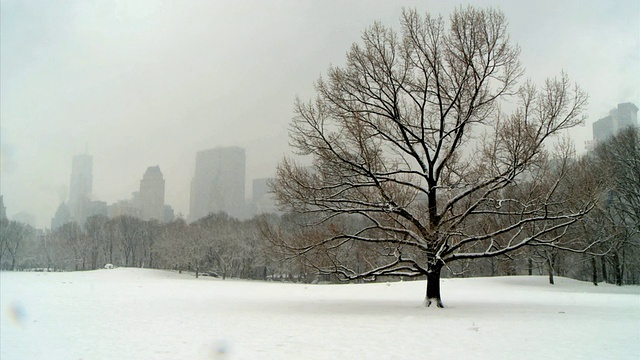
(261, 248)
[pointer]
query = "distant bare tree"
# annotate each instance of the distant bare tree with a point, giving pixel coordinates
(171, 245)
(616, 162)
(109, 247)
(128, 231)
(70, 239)
(409, 137)
(4, 240)
(194, 247)
(149, 236)
(13, 234)
(226, 242)
(96, 230)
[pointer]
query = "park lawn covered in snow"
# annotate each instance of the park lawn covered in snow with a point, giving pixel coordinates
(153, 314)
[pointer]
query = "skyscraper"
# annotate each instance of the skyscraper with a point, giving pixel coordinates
(626, 114)
(218, 183)
(3, 209)
(151, 197)
(61, 217)
(81, 186)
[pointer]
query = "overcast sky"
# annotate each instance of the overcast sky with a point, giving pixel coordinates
(143, 83)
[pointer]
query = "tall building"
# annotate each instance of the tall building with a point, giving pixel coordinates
(80, 187)
(218, 183)
(3, 209)
(151, 196)
(61, 217)
(97, 208)
(123, 208)
(25, 218)
(169, 215)
(626, 114)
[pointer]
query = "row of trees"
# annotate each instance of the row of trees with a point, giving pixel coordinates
(215, 244)
(607, 239)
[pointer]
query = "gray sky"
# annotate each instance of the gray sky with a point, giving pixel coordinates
(144, 83)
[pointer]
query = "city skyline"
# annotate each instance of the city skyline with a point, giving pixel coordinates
(151, 83)
(147, 202)
(152, 185)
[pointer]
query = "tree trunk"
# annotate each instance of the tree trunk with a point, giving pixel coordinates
(622, 266)
(433, 285)
(617, 267)
(550, 270)
(604, 269)
(530, 266)
(594, 271)
(492, 260)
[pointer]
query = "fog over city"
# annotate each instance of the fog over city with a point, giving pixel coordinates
(143, 83)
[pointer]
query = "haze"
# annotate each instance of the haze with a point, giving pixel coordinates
(143, 83)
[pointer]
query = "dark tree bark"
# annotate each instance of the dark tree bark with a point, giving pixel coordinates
(550, 270)
(594, 271)
(433, 285)
(618, 268)
(603, 263)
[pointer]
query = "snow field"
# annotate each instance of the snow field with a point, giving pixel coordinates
(153, 314)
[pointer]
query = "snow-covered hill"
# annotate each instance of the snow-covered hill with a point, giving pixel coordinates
(153, 314)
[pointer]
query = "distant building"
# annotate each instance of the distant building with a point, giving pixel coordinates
(169, 215)
(625, 115)
(123, 207)
(62, 216)
(97, 208)
(3, 209)
(25, 218)
(80, 187)
(151, 196)
(219, 182)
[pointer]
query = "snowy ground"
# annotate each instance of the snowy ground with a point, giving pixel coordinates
(152, 314)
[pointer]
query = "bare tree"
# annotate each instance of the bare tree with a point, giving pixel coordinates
(410, 137)
(616, 162)
(150, 234)
(4, 240)
(171, 245)
(70, 239)
(13, 236)
(227, 244)
(109, 247)
(96, 230)
(195, 246)
(128, 230)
